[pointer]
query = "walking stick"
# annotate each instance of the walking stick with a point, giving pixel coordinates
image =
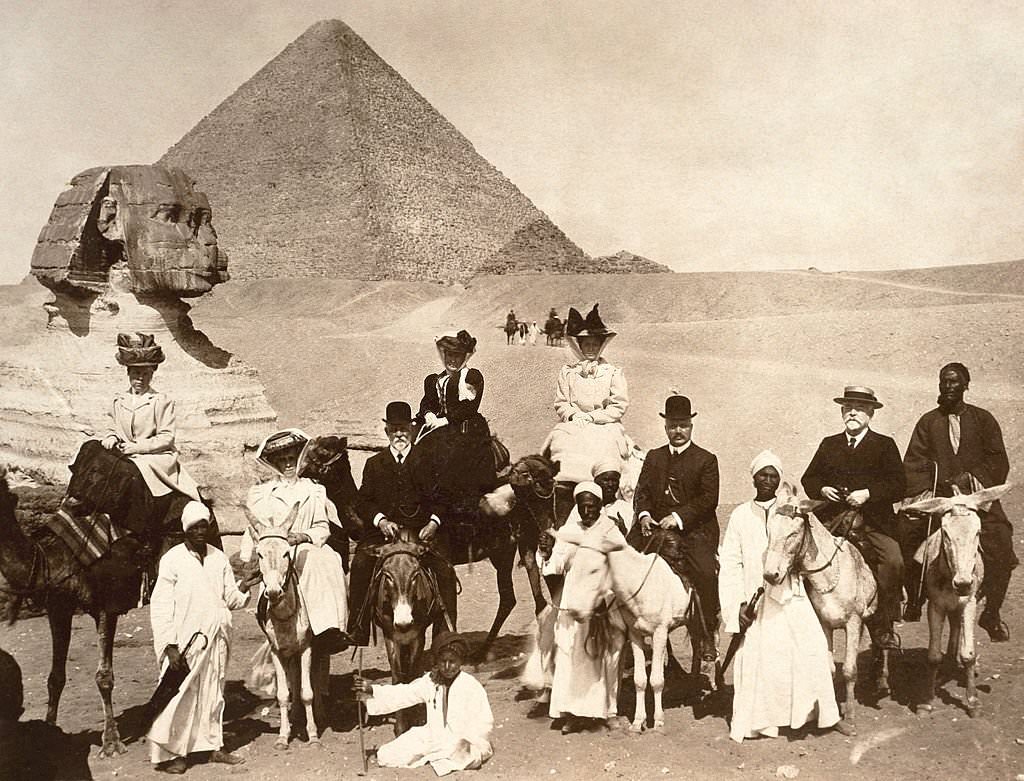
(359, 710)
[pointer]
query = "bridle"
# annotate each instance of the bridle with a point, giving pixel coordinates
(806, 539)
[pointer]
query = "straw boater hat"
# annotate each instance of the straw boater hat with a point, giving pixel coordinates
(138, 350)
(860, 393)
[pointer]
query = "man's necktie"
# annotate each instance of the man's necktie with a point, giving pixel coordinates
(399, 458)
(851, 443)
(954, 432)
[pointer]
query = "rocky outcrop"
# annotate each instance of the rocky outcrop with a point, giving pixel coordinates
(328, 163)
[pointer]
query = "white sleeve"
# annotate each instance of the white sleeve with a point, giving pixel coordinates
(730, 576)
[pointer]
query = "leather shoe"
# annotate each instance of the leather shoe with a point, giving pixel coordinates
(998, 631)
(175, 766)
(226, 758)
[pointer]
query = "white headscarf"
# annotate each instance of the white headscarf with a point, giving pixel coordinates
(763, 459)
(192, 513)
(587, 486)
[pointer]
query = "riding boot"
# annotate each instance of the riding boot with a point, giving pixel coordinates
(446, 584)
(359, 612)
(915, 591)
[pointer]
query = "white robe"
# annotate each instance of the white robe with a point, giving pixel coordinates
(192, 596)
(585, 680)
(783, 669)
(460, 742)
(321, 575)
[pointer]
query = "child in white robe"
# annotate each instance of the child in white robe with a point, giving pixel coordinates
(457, 735)
(783, 672)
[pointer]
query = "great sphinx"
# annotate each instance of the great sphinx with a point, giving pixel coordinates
(122, 251)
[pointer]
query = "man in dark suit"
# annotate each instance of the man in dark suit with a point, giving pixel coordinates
(392, 497)
(861, 469)
(958, 444)
(678, 491)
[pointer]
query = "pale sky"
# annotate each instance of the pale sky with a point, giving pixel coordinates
(704, 135)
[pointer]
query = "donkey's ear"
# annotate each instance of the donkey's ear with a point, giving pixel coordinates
(989, 495)
(937, 504)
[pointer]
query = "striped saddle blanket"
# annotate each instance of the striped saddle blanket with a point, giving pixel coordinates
(88, 537)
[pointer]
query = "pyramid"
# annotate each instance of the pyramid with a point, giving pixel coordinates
(327, 163)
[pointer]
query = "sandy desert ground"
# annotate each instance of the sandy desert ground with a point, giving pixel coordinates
(761, 355)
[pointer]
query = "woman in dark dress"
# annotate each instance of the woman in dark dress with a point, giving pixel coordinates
(452, 433)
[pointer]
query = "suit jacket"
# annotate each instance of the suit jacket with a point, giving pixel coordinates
(394, 490)
(686, 484)
(981, 453)
(451, 406)
(874, 464)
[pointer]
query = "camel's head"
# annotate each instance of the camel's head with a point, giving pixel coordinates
(533, 474)
(322, 455)
(960, 531)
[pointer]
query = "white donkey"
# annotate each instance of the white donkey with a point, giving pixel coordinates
(285, 623)
(954, 568)
(840, 584)
(651, 598)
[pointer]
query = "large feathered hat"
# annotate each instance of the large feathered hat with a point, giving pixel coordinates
(461, 342)
(138, 350)
(592, 325)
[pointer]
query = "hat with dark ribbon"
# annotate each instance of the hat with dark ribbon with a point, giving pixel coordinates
(678, 407)
(860, 393)
(462, 342)
(138, 350)
(592, 325)
(281, 442)
(398, 412)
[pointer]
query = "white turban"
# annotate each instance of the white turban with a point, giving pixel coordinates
(763, 459)
(587, 487)
(193, 513)
(607, 463)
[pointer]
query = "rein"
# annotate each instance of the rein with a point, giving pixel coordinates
(837, 541)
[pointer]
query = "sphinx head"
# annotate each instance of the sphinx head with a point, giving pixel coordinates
(140, 228)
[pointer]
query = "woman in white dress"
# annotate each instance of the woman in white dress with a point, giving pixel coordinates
(590, 400)
(783, 671)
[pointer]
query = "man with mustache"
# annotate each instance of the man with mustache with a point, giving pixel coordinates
(958, 444)
(858, 472)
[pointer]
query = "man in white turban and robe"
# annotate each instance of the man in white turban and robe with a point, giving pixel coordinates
(783, 669)
(194, 595)
(585, 680)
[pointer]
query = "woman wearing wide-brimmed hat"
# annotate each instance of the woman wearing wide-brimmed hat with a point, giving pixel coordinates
(590, 400)
(143, 420)
(451, 428)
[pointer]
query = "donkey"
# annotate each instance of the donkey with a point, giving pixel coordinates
(406, 600)
(650, 597)
(840, 584)
(283, 619)
(954, 570)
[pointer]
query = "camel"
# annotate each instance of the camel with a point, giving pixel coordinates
(954, 571)
(42, 567)
(650, 597)
(286, 624)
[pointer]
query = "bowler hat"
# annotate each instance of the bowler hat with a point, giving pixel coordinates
(860, 393)
(398, 412)
(677, 407)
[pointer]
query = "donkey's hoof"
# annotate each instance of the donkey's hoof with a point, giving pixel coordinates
(281, 744)
(316, 743)
(658, 728)
(973, 707)
(844, 727)
(112, 748)
(924, 710)
(637, 727)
